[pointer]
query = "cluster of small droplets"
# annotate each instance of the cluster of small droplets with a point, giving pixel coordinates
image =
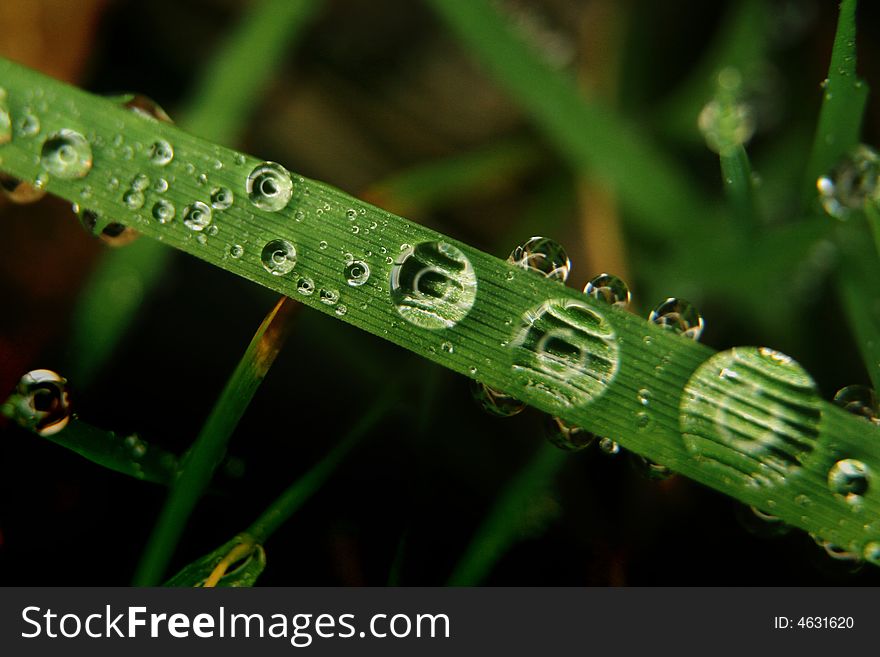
(849, 479)
(41, 403)
(852, 185)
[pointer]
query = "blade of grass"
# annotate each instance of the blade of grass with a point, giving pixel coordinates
(232, 86)
(736, 175)
(199, 463)
(485, 343)
(843, 104)
(594, 139)
(503, 525)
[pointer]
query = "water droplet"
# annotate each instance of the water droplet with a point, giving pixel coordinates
(144, 106)
(859, 400)
(278, 257)
(447, 347)
(133, 200)
(305, 286)
(751, 414)
(116, 234)
(679, 316)
(495, 402)
(854, 181)
(221, 198)
(329, 297)
(726, 123)
(269, 186)
(544, 256)
(42, 402)
(163, 211)
(19, 191)
(322, 244)
(161, 152)
(567, 436)
(433, 285)
(197, 216)
(610, 289)
(850, 479)
(236, 251)
(644, 396)
(351, 213)
(67, 155)
(202, 180)
(651, 469)
(29, 124)
(299, 215)
(357, 273)
(341, 310)
(565, 352)
(609, 446)
(160, 186)
(871, 552)
(140, 182)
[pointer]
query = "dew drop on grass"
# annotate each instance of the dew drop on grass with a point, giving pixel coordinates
(116, 234)
(751, 414)
(42, 402)
(29, 124)
(567, 436)
(328, 297)
(609, 447)
(871, 552)
(278, 257)
(197, 216)
(140, 182)
(610, 289)
(859, 400)
(133, 199)
(357, 273)
(433, 285)
(19, 191)
(269, 186)
(679, 316)
(650, 469)
(341, 310)
(494, 402)
(144, 106)
(161, 152)
(849, 479)
(221, 198)
(305, 286)
(163, 211)
(544, 256)
(852, 183)
(236, 251)
(160, 186)
(565, 352)
(67, 155)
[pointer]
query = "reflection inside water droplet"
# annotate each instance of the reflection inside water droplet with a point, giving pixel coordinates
(610, 289)
(42, 402)
(278, 257)
(161, 152)
(850, 479)
(357, 273)
(567, 436)
(544, 256)
(859, 400)
(197, 216)
(67, 155)
(494, 402)
(852, 183)
(679, 316)
(221, 198)
(269, 186)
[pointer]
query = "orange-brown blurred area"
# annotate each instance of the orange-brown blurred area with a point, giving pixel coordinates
(375, 88)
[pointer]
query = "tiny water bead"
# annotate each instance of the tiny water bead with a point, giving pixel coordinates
(495, 402)
(679, 316)
(544, 256)
(269, 186)
(66, 154)
(19, 191)
(42, 402)
(610, 289)
(357, 273)
(278, 257)
(29, 125)
(163, 211)
(852, 183)
(197, 216)
(328, 297)
(849, 479)
(161, 152)
(433, 285)
(221, 198)
(859, 400)
(609, 447)
(236, 251)
(565, 436)
(752, 414)
(565, 352)
(305, 286)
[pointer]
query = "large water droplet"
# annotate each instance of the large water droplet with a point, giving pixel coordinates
(610, 289)
(269, 186)
(854, 181)
(679, 316)
(544, 256)
(850, 479)
(221, 198)
(66, 155)
(278, 257)
(19, 191)
(147, 107)
(433, 285)
(565, 352)
(494, 401)
(197, 216)
(161, 152)
(859, 400)
(116, 234)
(163, 211)
(357, 273)
(752, 414)
(567, 436)
(42, 402)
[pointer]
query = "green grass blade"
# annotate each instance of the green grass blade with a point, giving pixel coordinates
(593, 138)
(209, 447)
(843, 104)
(237, 563)
(504, 524)
(858, 282)
(505, 330)
(232, 86)
(736, 175)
